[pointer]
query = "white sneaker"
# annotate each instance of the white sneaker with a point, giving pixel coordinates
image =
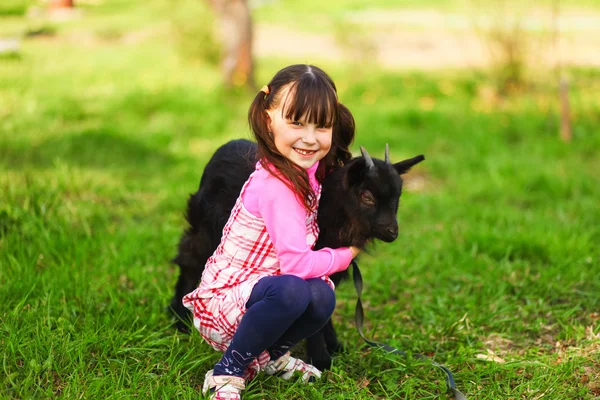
(223, 387)
(286, 365)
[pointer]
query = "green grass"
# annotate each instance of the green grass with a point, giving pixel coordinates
(102, 141)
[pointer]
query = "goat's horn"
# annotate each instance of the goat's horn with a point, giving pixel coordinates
(367, 157)
(387, 154)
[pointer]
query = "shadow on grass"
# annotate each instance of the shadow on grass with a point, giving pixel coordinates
(103, 149)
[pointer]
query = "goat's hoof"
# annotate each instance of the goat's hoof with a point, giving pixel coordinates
(322, 364)
(182, 327)
(182, 324)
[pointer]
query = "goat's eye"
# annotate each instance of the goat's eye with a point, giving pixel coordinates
(367, 198)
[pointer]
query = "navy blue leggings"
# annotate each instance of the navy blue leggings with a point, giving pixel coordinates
(281, 311)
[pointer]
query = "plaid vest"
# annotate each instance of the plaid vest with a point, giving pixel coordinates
(244, 256)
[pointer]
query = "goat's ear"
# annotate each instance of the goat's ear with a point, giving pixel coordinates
(354, 173)
(403, 167)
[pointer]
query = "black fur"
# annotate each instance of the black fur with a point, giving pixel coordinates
(358, 204)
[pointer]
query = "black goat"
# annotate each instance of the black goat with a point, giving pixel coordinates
(358, 203)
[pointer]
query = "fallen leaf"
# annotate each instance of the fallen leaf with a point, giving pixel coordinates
(490, 356)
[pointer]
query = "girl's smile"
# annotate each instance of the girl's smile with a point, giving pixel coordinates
(303, 144)
(305, 153)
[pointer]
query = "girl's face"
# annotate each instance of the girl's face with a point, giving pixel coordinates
(301, 142)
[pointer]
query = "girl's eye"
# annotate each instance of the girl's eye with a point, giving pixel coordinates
(367, 198)
(297, 123)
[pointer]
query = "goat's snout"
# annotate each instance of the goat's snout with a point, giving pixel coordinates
(387, 233)
(393, 232)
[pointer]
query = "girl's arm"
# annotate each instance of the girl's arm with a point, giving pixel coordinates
(285, 220)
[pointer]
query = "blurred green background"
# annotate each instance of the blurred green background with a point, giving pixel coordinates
(110, 110)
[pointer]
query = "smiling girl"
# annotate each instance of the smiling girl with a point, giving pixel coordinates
(265, 289)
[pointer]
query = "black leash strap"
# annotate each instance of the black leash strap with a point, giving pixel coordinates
(359, 318)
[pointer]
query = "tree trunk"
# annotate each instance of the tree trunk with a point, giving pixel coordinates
(235, 31)
(566, 133)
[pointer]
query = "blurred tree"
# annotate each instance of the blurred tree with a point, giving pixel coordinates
(235, 30)
(61, 4)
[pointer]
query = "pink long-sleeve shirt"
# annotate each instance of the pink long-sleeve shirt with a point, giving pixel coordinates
(269, 198)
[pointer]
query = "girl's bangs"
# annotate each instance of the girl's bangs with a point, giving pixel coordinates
(312, 102)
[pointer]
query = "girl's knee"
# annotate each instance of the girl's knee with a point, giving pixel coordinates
(293, 293)
(322, 298)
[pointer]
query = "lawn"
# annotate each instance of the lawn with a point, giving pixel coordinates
(104, 132)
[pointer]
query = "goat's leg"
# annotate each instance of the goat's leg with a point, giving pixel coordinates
(330, 337)
(196, 245)
(191, 258)
(322, 345)
(316, 351)
(185, 284)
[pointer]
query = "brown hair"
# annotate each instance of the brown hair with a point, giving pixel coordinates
(312, 96)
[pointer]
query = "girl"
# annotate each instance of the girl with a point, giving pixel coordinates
(265, 289)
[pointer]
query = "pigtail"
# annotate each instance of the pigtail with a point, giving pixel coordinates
(343, 134)
(257, 119)
(342, 138)
(257, 114)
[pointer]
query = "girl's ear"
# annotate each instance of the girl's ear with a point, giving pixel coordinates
(269, 120)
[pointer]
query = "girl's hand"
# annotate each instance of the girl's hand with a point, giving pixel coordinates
(355, 251)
